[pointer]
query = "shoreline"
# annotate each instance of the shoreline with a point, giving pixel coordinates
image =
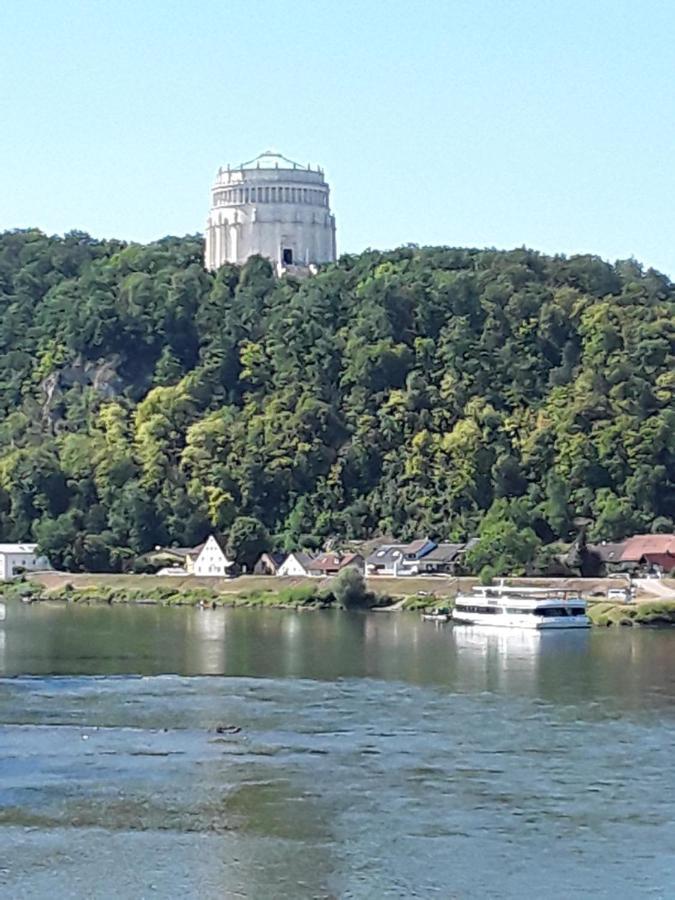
(250, 592)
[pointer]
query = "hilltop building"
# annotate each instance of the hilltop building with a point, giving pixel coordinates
(273, 207)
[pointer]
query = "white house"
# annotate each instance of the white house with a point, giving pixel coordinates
(296, 564)
(212, 560)
(18, 558)
(399, 559)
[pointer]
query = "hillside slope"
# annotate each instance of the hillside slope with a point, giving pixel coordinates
(417, 391)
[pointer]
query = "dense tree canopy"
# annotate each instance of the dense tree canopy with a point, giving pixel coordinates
(439, 391)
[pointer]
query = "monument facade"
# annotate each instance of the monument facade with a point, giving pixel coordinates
(273, 207)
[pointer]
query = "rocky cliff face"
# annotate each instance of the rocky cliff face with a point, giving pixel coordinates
(101, 376)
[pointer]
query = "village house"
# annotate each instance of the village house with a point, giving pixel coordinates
(296, 564)
(269, 564)
(175, 560)
(641, 552)
(652, 552)
(420, 557)
(331, 563)
(609, 556)
(385, 560)
(399, 559)
(444, 559)
(212, 560)
(15, 559)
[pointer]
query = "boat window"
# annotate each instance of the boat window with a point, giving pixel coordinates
(479, 609)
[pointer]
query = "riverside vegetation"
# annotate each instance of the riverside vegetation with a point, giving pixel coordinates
(347, 590)
(449, 392)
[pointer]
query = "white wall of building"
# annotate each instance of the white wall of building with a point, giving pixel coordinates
(292, 566)
(266, 207)
(18, 558)
(211, 561)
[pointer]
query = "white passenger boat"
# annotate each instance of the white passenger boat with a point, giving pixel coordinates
(516, 607)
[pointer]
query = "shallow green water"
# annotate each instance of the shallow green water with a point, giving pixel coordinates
(377, 756)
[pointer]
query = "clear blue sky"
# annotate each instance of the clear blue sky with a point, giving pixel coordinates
(549, 123)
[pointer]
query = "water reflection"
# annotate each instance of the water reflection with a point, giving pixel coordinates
(375, 755)
(636, 665)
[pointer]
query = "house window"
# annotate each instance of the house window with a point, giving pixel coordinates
(287, 256)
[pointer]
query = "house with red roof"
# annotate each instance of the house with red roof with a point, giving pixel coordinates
(650, 551)
(331, 563)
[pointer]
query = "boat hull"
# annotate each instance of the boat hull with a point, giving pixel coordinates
(538, 623)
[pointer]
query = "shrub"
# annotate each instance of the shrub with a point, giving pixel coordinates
(487, 575)
(349, 589)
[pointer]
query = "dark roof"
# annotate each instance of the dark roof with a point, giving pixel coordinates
(387, 553)
(607, 552)
(416, 546)
(275, 556)
(181, 551)
(303, 558)
(444, 553)
(370, 545)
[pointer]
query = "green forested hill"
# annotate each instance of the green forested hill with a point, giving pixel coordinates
(420, 391)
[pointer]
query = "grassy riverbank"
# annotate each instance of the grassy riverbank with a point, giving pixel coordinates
(289, 597)
(410, 594)
(649, 612)
(414, 593)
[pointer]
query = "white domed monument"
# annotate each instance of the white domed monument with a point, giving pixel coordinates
(273, 207)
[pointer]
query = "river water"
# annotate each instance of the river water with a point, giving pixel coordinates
(377, 756)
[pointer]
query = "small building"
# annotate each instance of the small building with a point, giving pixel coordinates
(639, 553)
(212, 561)
(415, 550)
(296, 564)
(269, 564)
(444, 559)
(384, 560)
(15, 559)
(331, 563)
(180, 560)
(399, 559)
(650, 551)
(609, 557)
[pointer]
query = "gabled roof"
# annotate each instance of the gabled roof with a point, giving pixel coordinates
(333, 561)
(303, 558)
(646, 545)
(275, 557)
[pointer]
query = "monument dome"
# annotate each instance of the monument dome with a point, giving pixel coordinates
(273, 207)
